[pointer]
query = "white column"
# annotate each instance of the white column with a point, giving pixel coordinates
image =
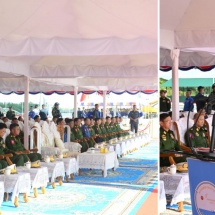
(26, 100)
(175, 84)
(75, 101)
(104, 103)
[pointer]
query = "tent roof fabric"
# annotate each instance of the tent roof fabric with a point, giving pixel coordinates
(188, 25)
(191, 82)
(93, 45)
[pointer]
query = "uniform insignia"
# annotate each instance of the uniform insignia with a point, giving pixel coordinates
(164, 138)
(171, 136)
(191, 135)
(12, 142)
(203, 134)
(197, 129)
(197, 134)
(164, 132)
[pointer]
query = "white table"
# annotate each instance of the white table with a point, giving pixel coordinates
(176, 185)
(15, 184)
(98, 160)
(39, 177)
(70, 165)
(162, 197)
(55, 170)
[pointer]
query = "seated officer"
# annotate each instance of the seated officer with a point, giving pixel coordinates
(86, 132)
(16, 147)
(79, 135)
(98, 131)
(198, 133)
(168, 141)
(3, 149)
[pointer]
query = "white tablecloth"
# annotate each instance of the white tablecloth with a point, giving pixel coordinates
(115, 147)
(1, 192)
(162, 197)
(39, 176)
(70, 165)
(55, 169)
(16, 183)
(98, 160)
(176, 185)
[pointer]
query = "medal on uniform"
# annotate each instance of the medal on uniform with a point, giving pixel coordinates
(197, 134)
(164, 132)
(203, 134)
(171, 136)
(197, 129)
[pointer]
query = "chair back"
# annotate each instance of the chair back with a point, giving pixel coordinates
(181, 128)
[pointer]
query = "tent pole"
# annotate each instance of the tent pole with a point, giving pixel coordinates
(26, 100)
(104, 103)
(175, 84)
(75, 101)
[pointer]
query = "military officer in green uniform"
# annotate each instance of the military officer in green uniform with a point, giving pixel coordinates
(103, 129)
(98, 131)
(198, 132)
(108, 128)
(119, 131)
(165, 103)
(79, 135)
(3, 149)
(10, 113)
(168, 141)
(16, 147)
(113, 127)
(55, 111)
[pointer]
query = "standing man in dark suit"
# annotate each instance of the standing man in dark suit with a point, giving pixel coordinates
(134, 119)
(199, 98)
(96, 112)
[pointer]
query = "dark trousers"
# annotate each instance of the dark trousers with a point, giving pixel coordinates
(134, 126)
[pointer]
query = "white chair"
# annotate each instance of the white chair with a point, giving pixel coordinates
(181, 128)
(6, 134)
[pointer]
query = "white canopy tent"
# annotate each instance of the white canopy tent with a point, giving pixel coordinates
(188, 30)
(78, 45)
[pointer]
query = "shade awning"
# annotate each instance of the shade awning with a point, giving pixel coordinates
(191, 82)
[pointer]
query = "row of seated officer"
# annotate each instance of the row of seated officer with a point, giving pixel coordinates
(198, 134)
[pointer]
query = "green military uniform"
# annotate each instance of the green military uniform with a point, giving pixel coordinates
(98, 131)
(56, 113)
(76, 130)
(91, 142)
(168, 142)
(14, 144)
(198, 136)
(113, 129)
(109, 130)
(72, 136)
(103, 131)
(118, 130)
(17, 159)
(3, 150)
(10, 114)
(165, 104)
